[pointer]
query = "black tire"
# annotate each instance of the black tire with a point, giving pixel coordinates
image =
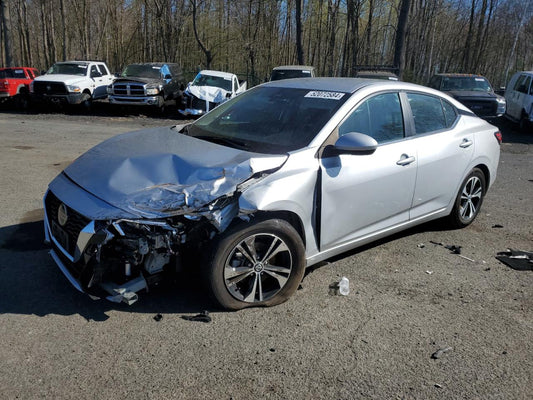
(235, 282)
(86, 102)
(469, 199)
(524, 125)
(23, 100)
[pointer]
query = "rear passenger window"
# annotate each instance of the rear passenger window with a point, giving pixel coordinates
(428, 113)
(380, 117)
(450, 114)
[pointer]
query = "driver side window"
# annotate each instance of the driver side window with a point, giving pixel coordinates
(379, 117)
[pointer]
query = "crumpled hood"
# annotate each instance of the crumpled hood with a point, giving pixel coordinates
(66, 79)
(160, 172)
(467, 94)
(212, 94)
(138, 79)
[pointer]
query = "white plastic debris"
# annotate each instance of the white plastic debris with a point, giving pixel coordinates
(344, 286)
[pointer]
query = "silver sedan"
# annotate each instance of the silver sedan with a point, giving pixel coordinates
(282, 177)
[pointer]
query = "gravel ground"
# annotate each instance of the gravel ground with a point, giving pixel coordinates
(409, 298)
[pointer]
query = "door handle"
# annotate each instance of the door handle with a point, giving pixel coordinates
(466, 143)
(405, 160)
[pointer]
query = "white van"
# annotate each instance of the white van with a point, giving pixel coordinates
(519, 97)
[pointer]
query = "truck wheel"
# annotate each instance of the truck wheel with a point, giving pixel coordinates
(524, 124)
(86, 102)
(22, 100)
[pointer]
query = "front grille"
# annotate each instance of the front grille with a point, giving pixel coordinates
(128, 89)
(481, 107)
(49, 88)
(75, 222)
(197, 104)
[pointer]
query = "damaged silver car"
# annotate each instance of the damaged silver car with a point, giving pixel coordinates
(279, 178)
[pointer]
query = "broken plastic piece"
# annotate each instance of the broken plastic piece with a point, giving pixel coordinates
(517, 259)
(440, 352)
(202, 317)
(454, 248)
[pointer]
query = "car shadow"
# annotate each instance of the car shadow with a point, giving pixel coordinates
(31, 284)
(438, 225)
(511, 132)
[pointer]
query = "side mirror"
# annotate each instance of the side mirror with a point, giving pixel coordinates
(355, 143)
(96, 75)
(168, 76)
(228, 95)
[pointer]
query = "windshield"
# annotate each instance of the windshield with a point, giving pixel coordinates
(467, 83)
(280, 74)
(210, 80)
(269, 119)
(12, 73)
(68, 69)
(141, 71)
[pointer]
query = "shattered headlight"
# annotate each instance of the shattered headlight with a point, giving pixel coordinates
(152, 91)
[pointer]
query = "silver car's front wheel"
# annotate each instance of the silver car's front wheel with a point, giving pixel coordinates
(258, 267)
(469, 199)
(256, 264)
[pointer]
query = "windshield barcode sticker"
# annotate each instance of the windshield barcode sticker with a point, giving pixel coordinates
(325, 95)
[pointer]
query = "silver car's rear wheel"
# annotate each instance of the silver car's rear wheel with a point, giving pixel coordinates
(256, 264)
(469, 199)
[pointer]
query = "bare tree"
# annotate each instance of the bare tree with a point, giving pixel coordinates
(401, 29)
(7, 35)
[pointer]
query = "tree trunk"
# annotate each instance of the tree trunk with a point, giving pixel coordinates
(8, 37)
(401, 30)
(299, 49)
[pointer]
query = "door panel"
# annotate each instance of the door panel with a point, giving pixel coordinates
(442, 161)
(362, 194)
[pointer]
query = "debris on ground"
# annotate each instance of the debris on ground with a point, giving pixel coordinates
(516, 259)
(158, 317)
(421, 245)
(497, 226)
(438, 354)
(340, 288)
(429, 272)
(466, 258)
(202, 317)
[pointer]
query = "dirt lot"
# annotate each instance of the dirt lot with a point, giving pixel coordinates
(408, 299)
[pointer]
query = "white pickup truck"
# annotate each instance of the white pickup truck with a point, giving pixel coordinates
(72, 82)
(208, 90)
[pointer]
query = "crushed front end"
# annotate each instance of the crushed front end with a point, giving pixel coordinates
(116, 258)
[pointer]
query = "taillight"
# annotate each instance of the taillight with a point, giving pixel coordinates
(498, 136)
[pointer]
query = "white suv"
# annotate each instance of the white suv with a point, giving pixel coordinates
(519, 97)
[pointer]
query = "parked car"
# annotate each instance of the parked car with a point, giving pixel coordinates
(208, 90)
(385, 75)
(474, 91)
(519, 97)
(72, 82)
(292, 71)
(150, 84)
(286, 175)
(15, 84)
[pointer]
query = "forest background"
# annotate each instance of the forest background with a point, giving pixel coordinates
(250, 37)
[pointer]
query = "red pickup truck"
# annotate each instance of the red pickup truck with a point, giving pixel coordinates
(15, 83)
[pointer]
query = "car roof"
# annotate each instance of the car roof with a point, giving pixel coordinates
(346, 85)
(457, 75)
(293, 67)
(221, 74)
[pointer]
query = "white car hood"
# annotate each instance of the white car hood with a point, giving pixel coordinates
(212, 94)
(66, 79)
